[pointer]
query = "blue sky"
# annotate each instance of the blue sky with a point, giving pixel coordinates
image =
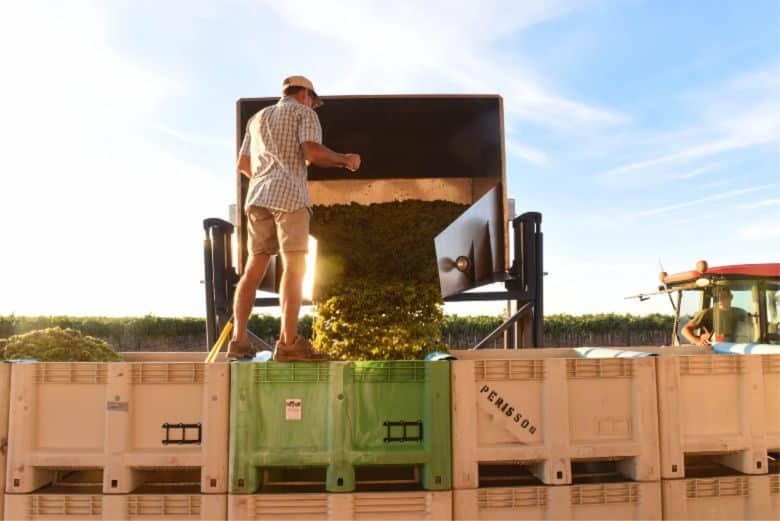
(641, 129)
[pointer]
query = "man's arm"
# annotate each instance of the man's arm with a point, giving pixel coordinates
(690, 336)
(244, 166)
(696, 323)
(321, 155)
(244, 160)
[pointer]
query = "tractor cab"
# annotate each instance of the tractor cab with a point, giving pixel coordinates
(738, 303)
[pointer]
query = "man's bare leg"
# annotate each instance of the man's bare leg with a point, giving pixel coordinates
(246, 291)
(291, 294)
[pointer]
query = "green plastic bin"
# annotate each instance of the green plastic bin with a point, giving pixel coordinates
(340, 416)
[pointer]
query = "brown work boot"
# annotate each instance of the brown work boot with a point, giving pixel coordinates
(240, 350)
(299, 351)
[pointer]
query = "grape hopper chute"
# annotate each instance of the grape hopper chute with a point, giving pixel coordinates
(416, 150)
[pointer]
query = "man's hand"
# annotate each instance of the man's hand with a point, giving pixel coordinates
(704, 339)
(322, 156)
(352, 162)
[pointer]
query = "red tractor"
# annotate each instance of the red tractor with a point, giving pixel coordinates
(738, 304)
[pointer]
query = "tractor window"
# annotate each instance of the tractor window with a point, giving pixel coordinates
(690, 304)
(735, 317)
(773, 316)
(743, 298)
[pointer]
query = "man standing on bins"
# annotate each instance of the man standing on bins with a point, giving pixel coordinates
(279, 142)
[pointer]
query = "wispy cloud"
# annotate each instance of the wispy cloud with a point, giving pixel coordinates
(530, 154)
(716, 184)
(662, 175)
(687, 154)
(196, 139)
(742, 113)
(80, 108)
(699, 218)
(99, 93)
(761, 204)
(699, 171)
(402, 46)
(761, 231)
(703, 200)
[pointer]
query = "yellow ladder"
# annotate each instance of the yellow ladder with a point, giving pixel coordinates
(223, 336)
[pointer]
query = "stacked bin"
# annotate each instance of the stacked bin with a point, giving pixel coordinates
(5, 387)
(538, 434)
(544, 435)
(117, 441)
(720, 436)
(363, 440)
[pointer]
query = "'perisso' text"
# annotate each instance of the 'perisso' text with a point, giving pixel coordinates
(505, 407)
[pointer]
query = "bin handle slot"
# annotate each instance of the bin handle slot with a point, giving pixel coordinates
(405, 435)
(185, 429)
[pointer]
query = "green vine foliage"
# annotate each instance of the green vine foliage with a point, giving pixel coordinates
(107, 327)
(462, 331)
(377, 291)
(557, 327)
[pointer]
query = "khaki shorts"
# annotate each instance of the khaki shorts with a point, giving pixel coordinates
(272, 231)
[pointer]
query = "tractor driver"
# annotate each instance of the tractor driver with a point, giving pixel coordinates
(719, 324)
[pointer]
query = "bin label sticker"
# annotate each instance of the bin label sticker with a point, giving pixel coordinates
(116, 406)
(293, 408)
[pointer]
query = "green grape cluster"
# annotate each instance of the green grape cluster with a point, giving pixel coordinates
(389, 322)
(377, 291)
(379, 243)
(56, 344)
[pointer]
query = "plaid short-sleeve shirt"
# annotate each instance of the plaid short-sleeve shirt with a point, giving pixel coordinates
(272, 141)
